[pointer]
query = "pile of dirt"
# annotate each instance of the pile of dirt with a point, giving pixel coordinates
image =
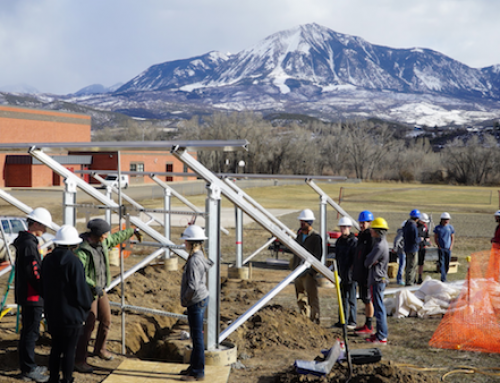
(277, 327)
(381, 372)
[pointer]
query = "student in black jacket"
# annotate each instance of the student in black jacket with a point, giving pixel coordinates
(345, 253)
(27, 292)
(67, 300)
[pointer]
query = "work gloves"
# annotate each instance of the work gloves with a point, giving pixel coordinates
(98, 291)
(138, 235)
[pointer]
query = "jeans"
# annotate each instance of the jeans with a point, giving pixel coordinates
(380, 312)
(195, 318)
(348, 291)
(444, 262)
(30, 331)
(401, 268)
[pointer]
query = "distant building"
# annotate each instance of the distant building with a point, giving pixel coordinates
(24, 125)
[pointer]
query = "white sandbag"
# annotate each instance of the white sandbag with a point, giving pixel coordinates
(402, 309)
(390, 306)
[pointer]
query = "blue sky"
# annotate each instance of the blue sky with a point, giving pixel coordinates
(60, 46)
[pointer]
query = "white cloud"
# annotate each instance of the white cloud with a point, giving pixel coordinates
(62, 45)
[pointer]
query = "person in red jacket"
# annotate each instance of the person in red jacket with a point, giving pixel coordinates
(27, 292)
(496, 237)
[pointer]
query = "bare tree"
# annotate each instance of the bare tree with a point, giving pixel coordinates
(472, 162)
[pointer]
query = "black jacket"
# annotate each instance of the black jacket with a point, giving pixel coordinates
(313, 243)
(363, 248)
(67, 295)
(423, 232)
(28, 265)
(345, 253)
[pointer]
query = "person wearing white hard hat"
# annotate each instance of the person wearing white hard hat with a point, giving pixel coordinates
(496, 237)
(27, 291)
(306, 285)
(94, 254)
(345, 253)
(444, 236)
(67, 301)
(194, 296)
(423, 235)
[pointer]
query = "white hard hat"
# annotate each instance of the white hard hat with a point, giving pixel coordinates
(345, 221)
(424, 218)
(41, 215)
(306, 215)
(194, 233)
(497, 213)
(67, 235)
(445, 215)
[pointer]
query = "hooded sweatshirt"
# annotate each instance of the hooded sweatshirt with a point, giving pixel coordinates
(67, 295)
(28, 270)
(194, 279)
(345, 253)
(378, 261)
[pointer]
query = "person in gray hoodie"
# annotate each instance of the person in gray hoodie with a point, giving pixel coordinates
(377, 261)
(194, 296)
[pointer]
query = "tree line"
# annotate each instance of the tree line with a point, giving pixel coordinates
(366, 150)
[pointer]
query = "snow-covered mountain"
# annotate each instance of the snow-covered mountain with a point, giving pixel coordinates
(97, 89)
(312, 55)
(175, 74)
(312, 70)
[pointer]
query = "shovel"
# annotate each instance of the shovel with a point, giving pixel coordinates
(342, 318)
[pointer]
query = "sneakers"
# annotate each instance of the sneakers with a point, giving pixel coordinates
(105, 355)
(37, 375)
(363, 330)
(420, 281)
(374, 340)
(401, 283)
(186, 371)
(351, 326)
(83, 368)
(338, 325)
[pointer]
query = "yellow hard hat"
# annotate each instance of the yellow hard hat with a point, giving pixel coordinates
(379, 223)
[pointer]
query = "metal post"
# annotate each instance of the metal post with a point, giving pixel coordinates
(213, 233)
(323, 231)
(109, 195)
(167, 195)
(239, 236)
(69, 201)
(122, 263)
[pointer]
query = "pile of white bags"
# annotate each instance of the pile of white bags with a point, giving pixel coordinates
(432, 298)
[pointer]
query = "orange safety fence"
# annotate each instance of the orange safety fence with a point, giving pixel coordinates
(472, 322)
(126, 252)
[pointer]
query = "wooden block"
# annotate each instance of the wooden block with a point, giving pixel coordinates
(453, 267)
(392, 270)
